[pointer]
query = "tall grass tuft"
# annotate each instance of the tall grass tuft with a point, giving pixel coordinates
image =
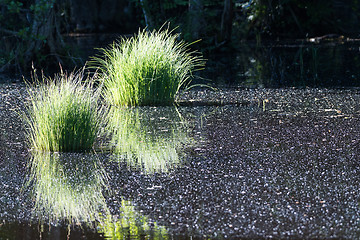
(147, 69)
(64, 114)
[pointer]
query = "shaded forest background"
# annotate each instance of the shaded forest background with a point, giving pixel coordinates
(33, 31)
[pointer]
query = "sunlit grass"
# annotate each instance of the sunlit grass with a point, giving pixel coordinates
(64, 114)
(147, 69)
(145, 139)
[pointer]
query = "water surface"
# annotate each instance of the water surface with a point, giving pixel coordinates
(288, 64)
(256, 163)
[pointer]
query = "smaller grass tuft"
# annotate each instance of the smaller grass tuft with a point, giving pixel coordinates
(64, 113)
(147, 69)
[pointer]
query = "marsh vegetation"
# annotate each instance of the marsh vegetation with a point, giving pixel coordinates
(147, 69)
(289, 169)
(64, 113)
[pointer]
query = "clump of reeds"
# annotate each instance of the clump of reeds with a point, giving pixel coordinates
(64, 113)
(147, 69)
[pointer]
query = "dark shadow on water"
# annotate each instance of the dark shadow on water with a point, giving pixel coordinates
(294, 64)
(297, 63)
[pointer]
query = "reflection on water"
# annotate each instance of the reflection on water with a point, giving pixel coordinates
(130, 225)
(146, 139)
(284, 166)
(68, 186)
(293, 64)
(73, 188)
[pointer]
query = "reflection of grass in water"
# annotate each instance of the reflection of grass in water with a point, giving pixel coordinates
(68, 187)
(130, 225)
(147, 139)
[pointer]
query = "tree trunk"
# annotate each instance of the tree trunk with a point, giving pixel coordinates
(226, 21)
(45, 32)
(84, 15)
(196, 21)
(147, 16)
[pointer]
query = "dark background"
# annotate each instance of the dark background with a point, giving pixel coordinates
(40, 32)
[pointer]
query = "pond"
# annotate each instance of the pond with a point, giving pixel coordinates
(234, 162)
(327, 62)
(283, 64)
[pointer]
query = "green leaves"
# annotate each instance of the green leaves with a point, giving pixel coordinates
(40, 8)
(13, 6)
(172, 4)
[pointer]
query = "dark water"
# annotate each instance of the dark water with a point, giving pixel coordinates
(258, 164)
(255, 159)
(299, 63)
(288, 64)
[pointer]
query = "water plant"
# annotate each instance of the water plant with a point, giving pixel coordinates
(146, 69)
(64, 113)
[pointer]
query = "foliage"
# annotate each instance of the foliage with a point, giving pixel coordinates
(297, 18)
(147, 69)
(197, 19)
(30, 32)
(64, 114)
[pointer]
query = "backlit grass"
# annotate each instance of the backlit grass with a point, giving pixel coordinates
(147, 69)
(64, 114)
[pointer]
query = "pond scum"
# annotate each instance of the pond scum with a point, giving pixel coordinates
(62, 193)
(284, 168)
(147, 141)
(69, 197)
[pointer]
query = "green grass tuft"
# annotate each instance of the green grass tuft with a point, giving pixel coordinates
(63, 114)
(147, 69)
